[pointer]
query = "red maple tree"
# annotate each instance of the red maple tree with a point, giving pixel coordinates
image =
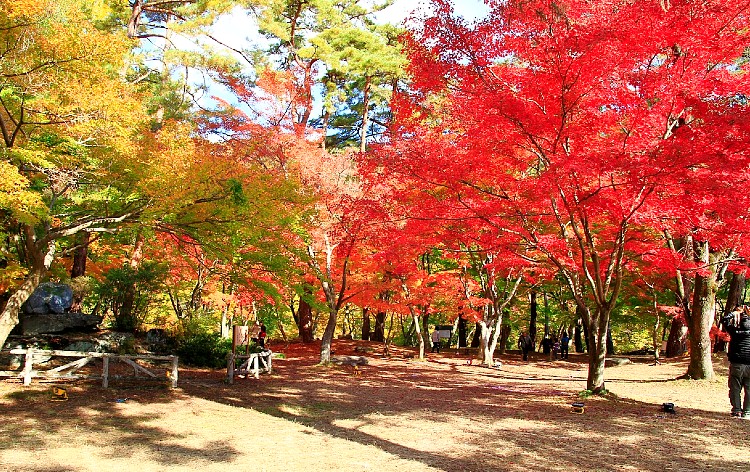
(572, 134)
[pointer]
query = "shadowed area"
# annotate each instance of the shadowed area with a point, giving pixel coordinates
(396, 412)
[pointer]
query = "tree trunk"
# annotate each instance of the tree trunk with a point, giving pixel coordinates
(462, 332)
(676, 340)
(365, 324)
(425, 333)
(418, 330)
(476, 340)
(78, 269)
(533, 317)
(325, 343)
(596, 343)
(702, 314)
(610, 343)
(41, 259)
(504, 335)
(126, 320)
(304, 315)
(578, 336)
(365, 114)
(80, 255)
(378, 333)
(9, 316)
(485, 353)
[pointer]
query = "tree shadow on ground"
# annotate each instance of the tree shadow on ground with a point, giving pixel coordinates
(453, 416)
(33, 420)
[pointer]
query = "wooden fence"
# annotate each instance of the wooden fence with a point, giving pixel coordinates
(70, 370)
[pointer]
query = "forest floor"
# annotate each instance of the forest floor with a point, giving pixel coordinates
(396, 413)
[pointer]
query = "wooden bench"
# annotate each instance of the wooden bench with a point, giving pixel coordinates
(68, 371)
(253, 363)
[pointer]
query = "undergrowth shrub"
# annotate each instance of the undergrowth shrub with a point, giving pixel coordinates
(204, 350)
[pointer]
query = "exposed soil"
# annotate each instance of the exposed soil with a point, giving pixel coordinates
(395, 413)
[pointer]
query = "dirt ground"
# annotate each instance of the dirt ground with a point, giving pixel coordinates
(396, 413)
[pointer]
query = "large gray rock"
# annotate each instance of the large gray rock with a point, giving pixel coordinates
(49, 297)
(33, 324)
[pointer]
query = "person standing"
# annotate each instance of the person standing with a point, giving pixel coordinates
(564, 344)
(737, 324)
(526, 344)
(262, 336)
(435, 340)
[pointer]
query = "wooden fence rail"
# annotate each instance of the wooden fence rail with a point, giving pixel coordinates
(68, 371)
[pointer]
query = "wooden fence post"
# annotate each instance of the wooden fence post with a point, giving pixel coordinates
(175, 360)
(105, 371)
(230, 368)
(27, 367)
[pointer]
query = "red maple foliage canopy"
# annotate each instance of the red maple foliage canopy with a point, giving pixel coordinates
(572, 135)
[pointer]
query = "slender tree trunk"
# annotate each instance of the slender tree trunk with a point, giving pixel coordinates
(504, 335)
(610, 343)
(578, 336)
(425, 333)
(418, 331)
(304, 314)
(534, 313)
(365, 114)
(327, 340)
(365, 324)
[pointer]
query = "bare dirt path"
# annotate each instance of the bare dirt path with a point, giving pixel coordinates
(397, 414)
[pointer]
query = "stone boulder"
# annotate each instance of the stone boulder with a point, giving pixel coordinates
(49, 297)
(33, 324)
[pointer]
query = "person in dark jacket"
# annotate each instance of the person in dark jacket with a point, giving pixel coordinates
(525, 344)
(737, 324)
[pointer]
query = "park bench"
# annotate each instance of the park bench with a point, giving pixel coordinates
(253, 363)
(69, 371)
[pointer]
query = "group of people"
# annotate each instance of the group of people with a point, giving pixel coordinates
(551, 346)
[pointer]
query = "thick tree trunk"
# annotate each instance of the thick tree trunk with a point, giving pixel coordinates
(485, 351)
(10, 313)
(378, 333)
(126, 320)
(676, 340)
(80, 255)
(40, 259)
(702, 314)
(304, 324)
(597, 346)
(476, 339)
(462, 332)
